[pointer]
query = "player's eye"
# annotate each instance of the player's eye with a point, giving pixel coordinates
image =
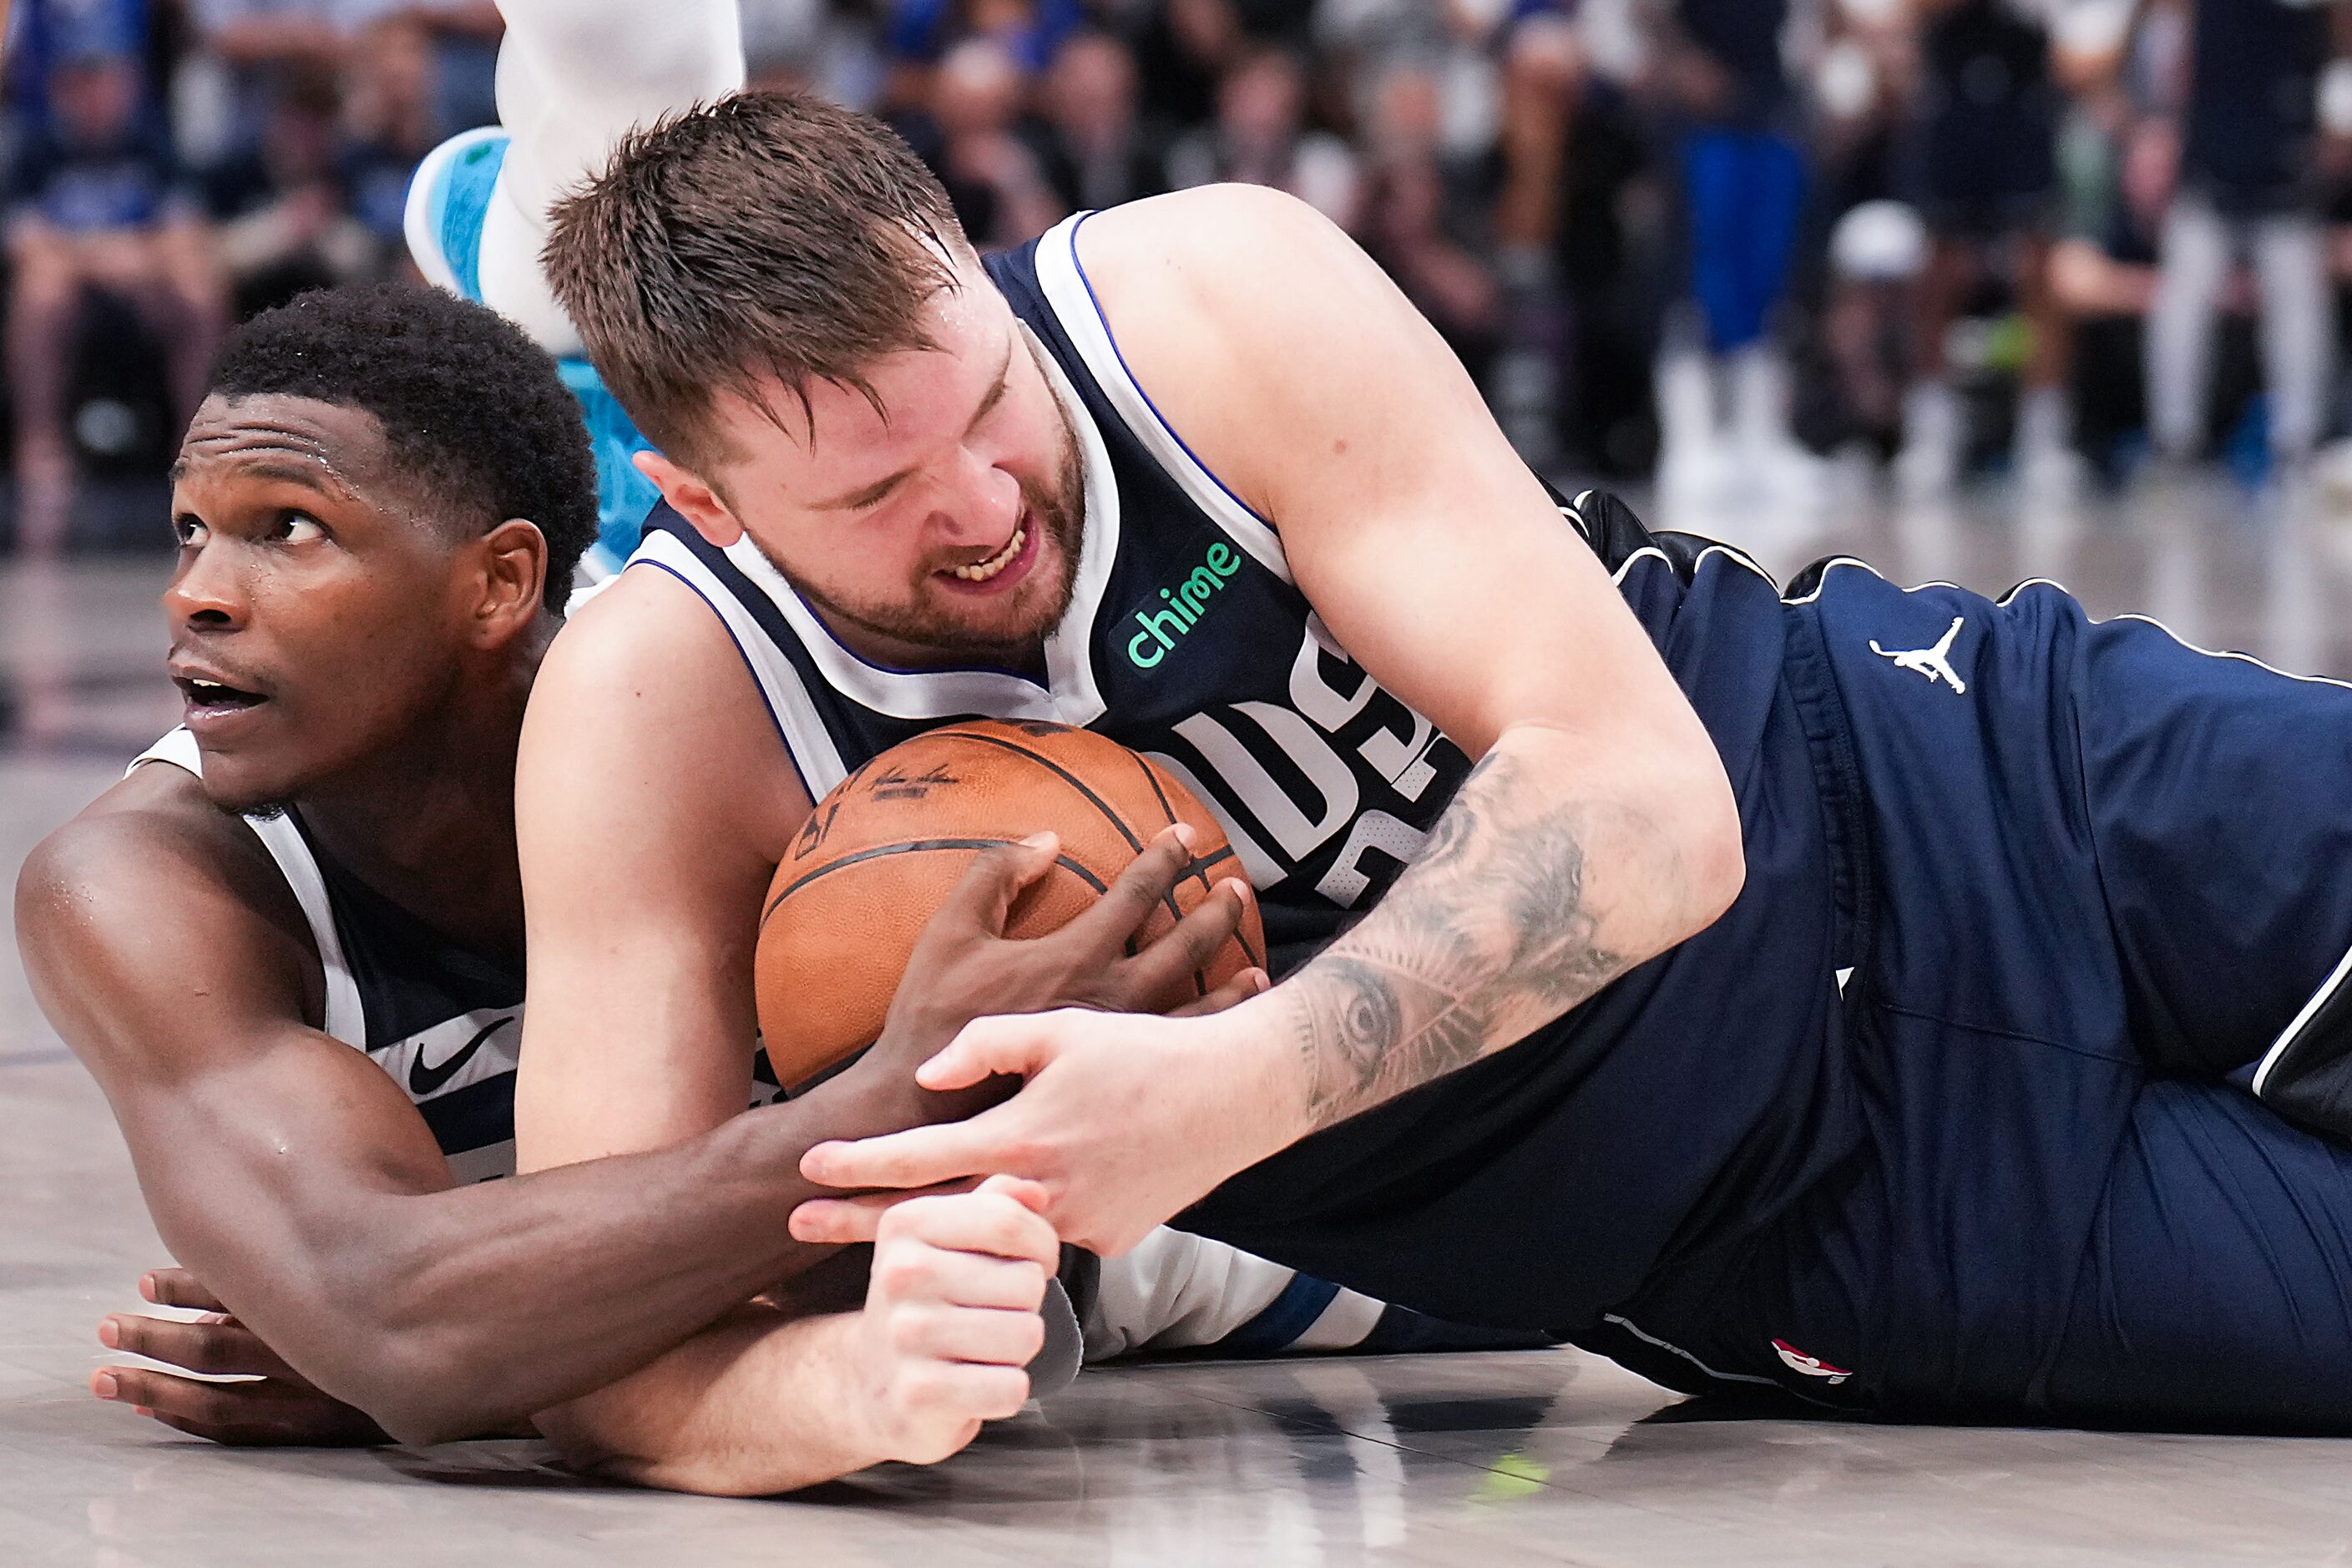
(296, 528)
(189, 532)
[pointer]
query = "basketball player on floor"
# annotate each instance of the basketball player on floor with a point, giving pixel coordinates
(305, 1017)
(1660, 964)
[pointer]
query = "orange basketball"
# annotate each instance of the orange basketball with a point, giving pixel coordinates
(881, 852)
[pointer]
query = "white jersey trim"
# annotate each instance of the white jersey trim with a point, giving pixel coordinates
(794, 715)
(346, 1019)
(417, 223)
(1072, 297)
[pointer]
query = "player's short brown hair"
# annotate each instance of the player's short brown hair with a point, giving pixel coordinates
(770, 238)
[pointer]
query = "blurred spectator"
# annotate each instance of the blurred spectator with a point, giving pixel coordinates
(1422, 218)
(1453, 285)
(1877, 252)
(2120, 169)
(829, 47)
(1260, 138)
(97, 208)
(2250, 180)
(389, 124)
(1029, 31)
(1744, 179)
(284, 225)
(1097, 152)
(248, 48)
(1985, 174)
(969, 137)
(40, 34)
(1186, 49)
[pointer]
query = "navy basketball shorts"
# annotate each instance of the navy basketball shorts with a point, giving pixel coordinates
(2105, 872)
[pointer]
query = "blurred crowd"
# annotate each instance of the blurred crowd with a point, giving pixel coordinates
(1721, 242)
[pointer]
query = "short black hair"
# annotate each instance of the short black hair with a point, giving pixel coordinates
(469, 405)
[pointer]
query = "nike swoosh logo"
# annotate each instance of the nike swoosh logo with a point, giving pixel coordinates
(424, 1079)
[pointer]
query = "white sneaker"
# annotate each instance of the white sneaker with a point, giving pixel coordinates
(1933, 428)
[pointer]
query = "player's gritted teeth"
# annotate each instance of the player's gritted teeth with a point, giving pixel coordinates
(1001, 570)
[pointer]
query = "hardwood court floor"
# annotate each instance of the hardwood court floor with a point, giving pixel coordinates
(1487, 1460)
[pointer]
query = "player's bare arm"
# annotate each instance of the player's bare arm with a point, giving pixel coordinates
(302, 1189)
(641, 895)
(1598, 829)
(644, 899)
(769, 1400)
(310, 1202)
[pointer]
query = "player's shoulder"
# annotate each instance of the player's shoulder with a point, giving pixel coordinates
(644, 686)
(645, 632)
(152, 863)
(1211, 241)
(154, 825)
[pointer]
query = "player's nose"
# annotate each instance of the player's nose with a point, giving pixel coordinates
(986, 504)
(208, 589)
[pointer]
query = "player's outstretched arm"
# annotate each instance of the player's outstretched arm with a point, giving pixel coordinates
(1597, 829)
(304, 1190)
(765, 1403)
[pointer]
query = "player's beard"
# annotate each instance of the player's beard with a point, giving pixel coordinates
(934, 617)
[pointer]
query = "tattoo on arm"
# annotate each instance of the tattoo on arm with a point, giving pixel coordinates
(1489, 936)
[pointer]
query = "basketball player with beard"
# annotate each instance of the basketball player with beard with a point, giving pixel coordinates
(289, 946)
(1831, 991)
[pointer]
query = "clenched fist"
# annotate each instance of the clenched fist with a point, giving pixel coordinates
(951, 1320)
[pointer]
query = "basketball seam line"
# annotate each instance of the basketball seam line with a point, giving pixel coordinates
(1060, 771)
(1168, 900)
(912, 845)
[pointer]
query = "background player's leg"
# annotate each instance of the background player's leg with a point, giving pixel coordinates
(573, 75)
(2180, 324)
(2218, 1286)
(2298, 329)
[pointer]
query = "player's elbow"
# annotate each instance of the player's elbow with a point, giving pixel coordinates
(413, 1367)
(411, 1413)
(404, 1387)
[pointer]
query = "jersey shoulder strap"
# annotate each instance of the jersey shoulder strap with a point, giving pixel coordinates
(346, 1019)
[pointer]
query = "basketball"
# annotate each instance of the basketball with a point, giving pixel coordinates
(881, 852)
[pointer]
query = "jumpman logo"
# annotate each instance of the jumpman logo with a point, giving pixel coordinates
(1931, 662)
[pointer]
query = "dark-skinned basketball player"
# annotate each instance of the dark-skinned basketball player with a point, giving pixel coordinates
(360, 602)
(1833, 990)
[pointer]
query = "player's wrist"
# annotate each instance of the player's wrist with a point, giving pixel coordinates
(1248, 1052)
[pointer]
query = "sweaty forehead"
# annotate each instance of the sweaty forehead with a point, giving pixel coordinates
(922, 394)
(336, 448)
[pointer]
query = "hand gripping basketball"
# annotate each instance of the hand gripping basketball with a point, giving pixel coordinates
(879, 878)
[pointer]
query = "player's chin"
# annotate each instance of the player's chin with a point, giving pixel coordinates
(257, 780)
(1019, 617)
(251, 792)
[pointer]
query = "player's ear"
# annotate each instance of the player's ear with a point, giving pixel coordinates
(692, 498)
(513, 581)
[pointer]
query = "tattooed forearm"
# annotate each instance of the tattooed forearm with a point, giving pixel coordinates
(1492, 934)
